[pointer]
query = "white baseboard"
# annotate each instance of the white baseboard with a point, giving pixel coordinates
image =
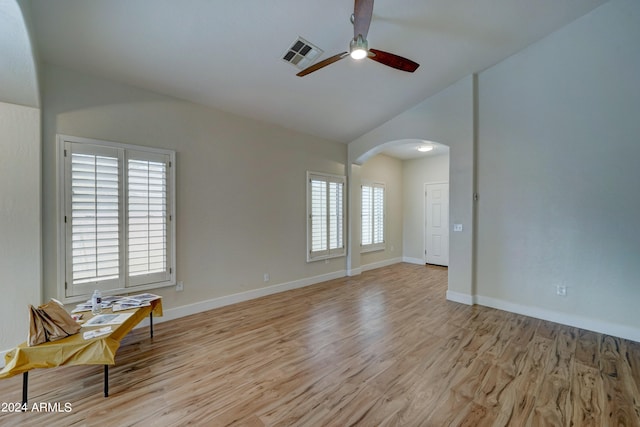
(600, 326)
(460, 297)
(189, 309)
(354, 272)
(413, 260)
(379, 264)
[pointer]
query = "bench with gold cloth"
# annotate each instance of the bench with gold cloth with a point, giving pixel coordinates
(75, 350)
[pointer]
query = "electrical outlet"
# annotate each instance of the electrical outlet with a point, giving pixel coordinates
(179, 287)
(266, 277)
(561, 290)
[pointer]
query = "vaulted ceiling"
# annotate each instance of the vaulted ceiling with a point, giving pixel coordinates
(228, 54)
(18, 80)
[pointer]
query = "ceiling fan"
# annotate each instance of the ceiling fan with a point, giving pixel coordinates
(359, 47)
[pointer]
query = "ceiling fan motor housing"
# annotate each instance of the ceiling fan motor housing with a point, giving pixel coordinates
(359, 47)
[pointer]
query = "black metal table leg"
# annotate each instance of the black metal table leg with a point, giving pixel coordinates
(25, 387)
(151, 323)
(106, 380)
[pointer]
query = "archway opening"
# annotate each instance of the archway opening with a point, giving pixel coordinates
(404, 171)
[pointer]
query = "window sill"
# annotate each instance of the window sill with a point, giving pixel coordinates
(325, 257)
(372, 248)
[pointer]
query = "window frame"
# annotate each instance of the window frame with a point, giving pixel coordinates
(374, 246)
(329, 252)
(123, 284)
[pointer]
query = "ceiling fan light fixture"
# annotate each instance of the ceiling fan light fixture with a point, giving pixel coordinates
(358, 48)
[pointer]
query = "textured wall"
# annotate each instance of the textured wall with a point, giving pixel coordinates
(558, 175)
(20, 258)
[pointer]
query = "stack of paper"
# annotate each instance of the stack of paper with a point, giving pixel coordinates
(119, 303)
(107, 319)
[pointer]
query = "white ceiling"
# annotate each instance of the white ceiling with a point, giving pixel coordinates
(407, 149)
(227, 54)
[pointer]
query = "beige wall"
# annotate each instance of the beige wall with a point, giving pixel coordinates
(20, 237)
(241, 190)
(386, 170)
(558, 175)
(416, 173)
(20, 257)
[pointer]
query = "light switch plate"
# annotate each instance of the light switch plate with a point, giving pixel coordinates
(457, 227)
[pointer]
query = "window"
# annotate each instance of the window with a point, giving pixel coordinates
(117, 208)
(372, 237)
(325, 216)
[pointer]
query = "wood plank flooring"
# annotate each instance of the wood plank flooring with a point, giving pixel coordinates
(381, 349)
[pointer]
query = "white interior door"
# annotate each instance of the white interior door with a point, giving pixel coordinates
(437, 224)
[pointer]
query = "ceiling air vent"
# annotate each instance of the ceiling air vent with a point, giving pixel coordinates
(302, 53)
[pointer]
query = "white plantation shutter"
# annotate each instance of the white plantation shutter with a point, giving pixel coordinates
(336, 235)
(147, 217)
(318, 215)
(367, 216)
(373, 206)
(94, 234)
(116, 227)
(325, 208)
(378, 214)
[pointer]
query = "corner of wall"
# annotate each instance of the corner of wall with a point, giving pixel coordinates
(460, 297)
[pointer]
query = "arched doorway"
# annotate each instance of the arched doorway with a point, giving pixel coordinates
(449, 118)
(406, 168)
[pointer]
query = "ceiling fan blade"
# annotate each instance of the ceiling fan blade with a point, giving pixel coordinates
(394, 61)
(322, 64)
(362, 13)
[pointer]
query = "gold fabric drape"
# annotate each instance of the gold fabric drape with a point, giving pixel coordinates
(75, 350)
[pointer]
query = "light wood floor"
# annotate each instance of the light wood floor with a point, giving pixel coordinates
(383, 348)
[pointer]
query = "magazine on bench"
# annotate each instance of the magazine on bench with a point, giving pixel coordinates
(134, 301)
(107, 319)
